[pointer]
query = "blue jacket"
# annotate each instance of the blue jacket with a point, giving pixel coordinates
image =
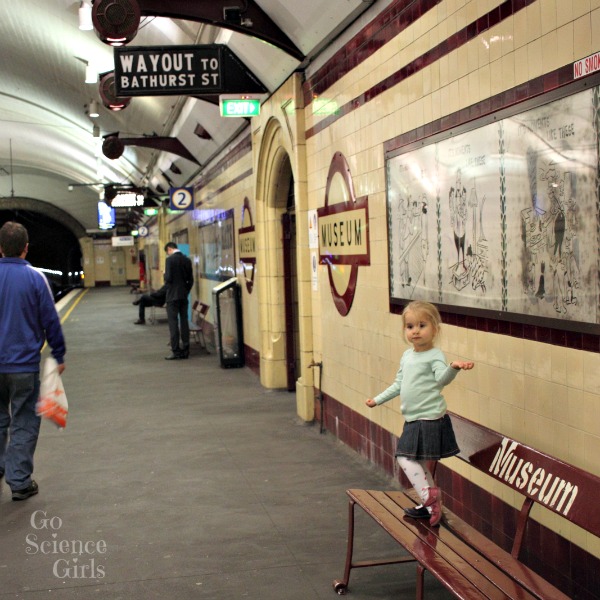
(28, 317)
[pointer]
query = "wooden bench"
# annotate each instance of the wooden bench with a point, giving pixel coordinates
(467, 563)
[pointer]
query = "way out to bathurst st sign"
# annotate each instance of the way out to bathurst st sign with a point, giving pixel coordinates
(181, 70)
(150, 71)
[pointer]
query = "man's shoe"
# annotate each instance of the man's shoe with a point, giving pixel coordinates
(139, 322)
(417, 513)
(184, 354)
(25, 493)
(173, 356)
(136, 302)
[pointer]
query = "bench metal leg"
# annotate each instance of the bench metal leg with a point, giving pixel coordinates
(420, 582)
(341, 585)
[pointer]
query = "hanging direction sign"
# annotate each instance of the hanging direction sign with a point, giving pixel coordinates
(181, 70)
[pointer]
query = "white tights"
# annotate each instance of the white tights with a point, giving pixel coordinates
(418, 474)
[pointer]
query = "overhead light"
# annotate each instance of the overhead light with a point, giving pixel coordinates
(85, 16)
(91, 74)
(94, 110)
(202, 133)
(233, 15)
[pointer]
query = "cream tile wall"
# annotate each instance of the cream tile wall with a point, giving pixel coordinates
(218, 194)
(543, 395)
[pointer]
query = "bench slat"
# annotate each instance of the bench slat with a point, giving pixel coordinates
(460, 535)
(513, 567)
(478, 569)
(458, 576)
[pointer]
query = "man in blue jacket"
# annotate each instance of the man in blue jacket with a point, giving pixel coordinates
(28, 318)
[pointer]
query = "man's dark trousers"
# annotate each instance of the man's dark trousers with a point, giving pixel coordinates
(177, 314)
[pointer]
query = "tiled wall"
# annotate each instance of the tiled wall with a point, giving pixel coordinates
(223, 187)
(400, 80)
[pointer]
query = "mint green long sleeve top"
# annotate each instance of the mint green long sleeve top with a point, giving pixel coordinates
(419, 383)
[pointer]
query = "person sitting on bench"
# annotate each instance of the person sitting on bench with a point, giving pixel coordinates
(156, 298)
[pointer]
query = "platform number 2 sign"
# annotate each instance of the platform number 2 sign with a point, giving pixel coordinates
(181, 199)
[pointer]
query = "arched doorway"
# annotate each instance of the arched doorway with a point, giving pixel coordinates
(290, 283)
(272, 272)
(283, 265)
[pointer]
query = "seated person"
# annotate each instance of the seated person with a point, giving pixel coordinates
(156, 298)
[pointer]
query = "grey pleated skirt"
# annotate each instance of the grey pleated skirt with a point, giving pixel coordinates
(428, 440)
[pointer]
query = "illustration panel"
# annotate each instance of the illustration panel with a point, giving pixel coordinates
(440, 198)
(551, 184)
(469, 169)
(413, 198)
(503, 217)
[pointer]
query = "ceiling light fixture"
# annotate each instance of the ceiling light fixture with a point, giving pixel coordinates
(91, 74)
(233, 15)
(85, 16)
(94, 110)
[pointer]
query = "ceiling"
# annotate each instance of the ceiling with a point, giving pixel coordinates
(47, 141)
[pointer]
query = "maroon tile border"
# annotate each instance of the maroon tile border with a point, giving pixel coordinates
(243, 148)
(565, 565)
(252, 359)
(386, 26)
(576, 340)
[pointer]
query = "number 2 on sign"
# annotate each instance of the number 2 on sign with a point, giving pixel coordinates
(182, 199)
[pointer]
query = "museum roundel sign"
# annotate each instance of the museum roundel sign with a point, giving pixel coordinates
(343, 229)
(247, 245)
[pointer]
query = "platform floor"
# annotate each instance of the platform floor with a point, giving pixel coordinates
(181, 479)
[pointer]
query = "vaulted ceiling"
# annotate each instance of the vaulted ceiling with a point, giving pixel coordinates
(48, 141)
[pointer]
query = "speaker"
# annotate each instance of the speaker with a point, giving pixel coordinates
(112, 147)
(108, 93)
(109, 193)
(116, 21)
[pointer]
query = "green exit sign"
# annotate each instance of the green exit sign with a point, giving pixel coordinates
(239, 106)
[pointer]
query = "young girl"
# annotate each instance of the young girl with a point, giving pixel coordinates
(427, 433)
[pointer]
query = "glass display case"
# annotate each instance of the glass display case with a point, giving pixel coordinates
(229, 332)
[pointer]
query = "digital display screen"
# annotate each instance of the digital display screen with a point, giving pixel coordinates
(106, 216)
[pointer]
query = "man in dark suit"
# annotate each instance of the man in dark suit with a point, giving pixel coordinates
(179, 279)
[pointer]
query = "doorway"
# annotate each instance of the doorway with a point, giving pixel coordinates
(117, 268)
(290, 283)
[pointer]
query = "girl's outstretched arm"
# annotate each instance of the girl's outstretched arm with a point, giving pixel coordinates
(466, 365)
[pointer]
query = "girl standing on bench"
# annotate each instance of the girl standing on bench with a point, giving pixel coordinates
(427, 433)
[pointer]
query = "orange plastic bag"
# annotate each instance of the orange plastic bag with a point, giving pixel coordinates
(52, 403)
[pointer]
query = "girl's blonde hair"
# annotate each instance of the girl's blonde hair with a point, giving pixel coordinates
(426, 310)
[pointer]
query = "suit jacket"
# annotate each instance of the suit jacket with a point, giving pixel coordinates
(159, 296)
(179, 276)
